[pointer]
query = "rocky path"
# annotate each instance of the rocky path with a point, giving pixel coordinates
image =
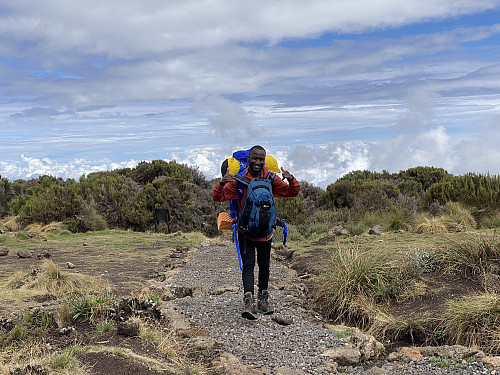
(289, 342)
(215, 278)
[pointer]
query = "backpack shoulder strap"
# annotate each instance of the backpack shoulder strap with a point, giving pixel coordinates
(242, 182)
(241, 179)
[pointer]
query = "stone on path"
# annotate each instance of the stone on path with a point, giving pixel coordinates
(344, 356)
(228, 364)
(4, 251)
(128, 328)
(23, 254)
(492, 362)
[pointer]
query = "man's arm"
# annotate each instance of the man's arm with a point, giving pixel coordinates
(225, 190)
(282, 189)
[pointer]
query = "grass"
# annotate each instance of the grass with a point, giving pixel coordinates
(92, 307)
(476, 251)
(104, 327)
(355, 279)
(432, 225)
(92, 252)
(474, 321)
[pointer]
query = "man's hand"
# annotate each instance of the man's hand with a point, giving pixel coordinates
(287, 175)
(227, 178)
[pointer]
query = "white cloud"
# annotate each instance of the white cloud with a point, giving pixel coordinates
(30, 167)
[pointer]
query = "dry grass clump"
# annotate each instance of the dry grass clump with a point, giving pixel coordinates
(60, 283)
(432, 225)
(356, 279)
(479, 253)
(385, 326)
(474, 321)
(460, 216)
(10, 223)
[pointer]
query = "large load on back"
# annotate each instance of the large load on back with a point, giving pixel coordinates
(258, 217)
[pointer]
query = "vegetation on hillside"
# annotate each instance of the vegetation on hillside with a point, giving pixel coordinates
(125, 199)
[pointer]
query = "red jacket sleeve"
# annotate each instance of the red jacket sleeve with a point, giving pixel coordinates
(283, 189)
(224, 193)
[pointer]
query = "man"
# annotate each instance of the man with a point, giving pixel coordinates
(227, 189)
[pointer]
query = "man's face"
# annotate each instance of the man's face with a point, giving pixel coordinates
(256, 161)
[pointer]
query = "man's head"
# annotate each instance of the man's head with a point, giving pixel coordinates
(256, 160)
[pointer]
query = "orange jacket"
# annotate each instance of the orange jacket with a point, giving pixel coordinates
(230, 191)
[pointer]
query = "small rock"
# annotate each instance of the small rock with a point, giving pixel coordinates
(192, 332)
(4, 251)
(344, 356)
(70, 265)
(282, 320)
(23, 254)
(44, 254)
(128, 328)
(339, 230)
(228, 364)
(376, 230)
(492, 362)
(412, 353)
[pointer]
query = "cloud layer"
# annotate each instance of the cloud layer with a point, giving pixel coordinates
(327, 87)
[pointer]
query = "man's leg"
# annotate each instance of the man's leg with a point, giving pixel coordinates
(247, 250)
(263, 260)
(264, 305)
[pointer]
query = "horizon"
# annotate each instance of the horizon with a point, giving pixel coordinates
(326, 88)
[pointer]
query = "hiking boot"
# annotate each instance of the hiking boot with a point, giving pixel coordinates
(263, 304)
(249, 311)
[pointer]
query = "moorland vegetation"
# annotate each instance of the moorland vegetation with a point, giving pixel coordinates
(433, 276)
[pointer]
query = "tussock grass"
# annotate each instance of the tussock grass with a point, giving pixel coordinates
(491, 220)
(432, 225)
(388, 327)
(355, 279)
(162, 341)
(54, 281)
(320, 222)
(92, 307)
(477, 252)
(474, 321)
(460, 216)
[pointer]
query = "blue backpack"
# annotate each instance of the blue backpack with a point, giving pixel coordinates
(258, 216)
(242, 157)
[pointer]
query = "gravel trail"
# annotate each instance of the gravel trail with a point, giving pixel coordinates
(214, 276)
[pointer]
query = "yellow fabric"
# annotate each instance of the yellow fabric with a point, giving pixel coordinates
(272, 164)
(233, 165)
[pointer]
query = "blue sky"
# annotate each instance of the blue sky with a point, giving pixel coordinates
(326, 86)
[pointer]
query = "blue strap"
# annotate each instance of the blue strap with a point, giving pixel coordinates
(235, 239)
(285, 232)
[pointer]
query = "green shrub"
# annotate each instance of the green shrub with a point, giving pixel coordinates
(91, 307)
(419, 262)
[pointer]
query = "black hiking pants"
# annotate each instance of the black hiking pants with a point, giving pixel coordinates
(248, 249)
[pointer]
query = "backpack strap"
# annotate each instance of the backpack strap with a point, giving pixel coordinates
(242, 182)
